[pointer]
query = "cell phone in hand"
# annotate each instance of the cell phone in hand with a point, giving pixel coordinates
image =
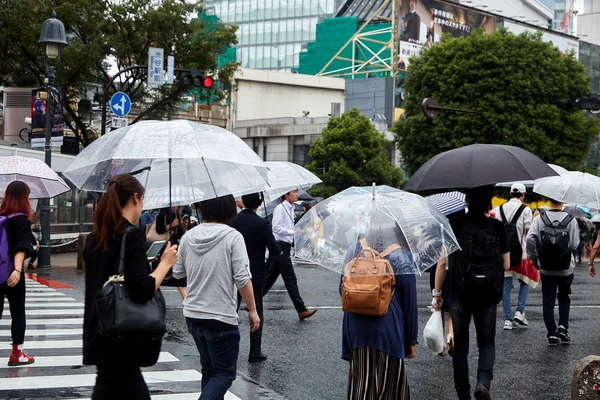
(155, 250)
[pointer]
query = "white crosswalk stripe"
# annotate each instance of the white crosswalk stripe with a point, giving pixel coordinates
(55, 328)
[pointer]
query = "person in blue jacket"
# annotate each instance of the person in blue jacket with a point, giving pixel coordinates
(377, 346)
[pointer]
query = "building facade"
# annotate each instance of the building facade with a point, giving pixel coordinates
(588, 22)
(534, 12)
(272, 33)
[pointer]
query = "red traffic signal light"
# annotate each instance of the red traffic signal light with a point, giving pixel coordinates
(197, 78)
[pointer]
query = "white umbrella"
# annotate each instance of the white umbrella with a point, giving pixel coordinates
(578, 188)
(286, 176)
(181, 158)
(42, 180)
(559, 170)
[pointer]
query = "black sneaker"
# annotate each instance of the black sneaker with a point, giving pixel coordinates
(552, 340)
(563, 334)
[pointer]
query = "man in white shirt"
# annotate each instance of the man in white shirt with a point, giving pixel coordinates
(507, 213)
(283, 230)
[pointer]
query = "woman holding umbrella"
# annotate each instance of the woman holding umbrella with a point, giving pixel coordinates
(377, 346)
(15, 212)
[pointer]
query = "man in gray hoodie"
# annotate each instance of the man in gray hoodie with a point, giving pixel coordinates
(213, 257)
(556, 275)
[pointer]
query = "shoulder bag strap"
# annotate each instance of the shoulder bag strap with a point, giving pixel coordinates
(545, 219)
(566, 221)
(121, 265)
(517, 215)
(502, 215)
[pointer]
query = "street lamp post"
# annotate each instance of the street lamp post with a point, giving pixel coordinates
(53, 37)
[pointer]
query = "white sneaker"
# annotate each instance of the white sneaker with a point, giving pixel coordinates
(509, 325)
(520, 318)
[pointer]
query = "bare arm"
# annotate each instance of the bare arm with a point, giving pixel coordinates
(247, 293)
(440, 276)
(593, 253)
(506, 260)
(15, 275)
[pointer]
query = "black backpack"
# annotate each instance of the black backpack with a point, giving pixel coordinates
(479, 265)
(512, 236)
(554, 253)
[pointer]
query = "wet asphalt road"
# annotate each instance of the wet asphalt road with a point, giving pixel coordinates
(304, 357)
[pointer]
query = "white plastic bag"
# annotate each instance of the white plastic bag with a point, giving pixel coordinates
(434, 333)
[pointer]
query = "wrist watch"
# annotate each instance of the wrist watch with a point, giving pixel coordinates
(436, 294)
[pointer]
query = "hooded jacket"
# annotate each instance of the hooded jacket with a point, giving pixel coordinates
(213, 257)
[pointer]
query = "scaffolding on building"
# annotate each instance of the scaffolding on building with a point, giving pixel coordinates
(373, 51)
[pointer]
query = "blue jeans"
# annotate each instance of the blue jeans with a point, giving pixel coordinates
(523, 291)
(485, 327)
(219, 345)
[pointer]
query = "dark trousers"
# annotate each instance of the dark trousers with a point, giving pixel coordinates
(219, 345)
(256, 337)
(485, 326)
(34, 255)
(120, 382)
(550, 286)
(16, 302)
(282, 265)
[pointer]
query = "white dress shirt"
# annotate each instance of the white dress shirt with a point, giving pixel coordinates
(283, 222)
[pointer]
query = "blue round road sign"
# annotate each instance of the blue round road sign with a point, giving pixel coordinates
(120, 104)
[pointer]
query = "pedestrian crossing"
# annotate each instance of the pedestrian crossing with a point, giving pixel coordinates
(54, 338)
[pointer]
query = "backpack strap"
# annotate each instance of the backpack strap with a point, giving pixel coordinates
(502, 215)
(363, 243)
(545, 219)
(517, 215)
(390, 250)
(566, 221)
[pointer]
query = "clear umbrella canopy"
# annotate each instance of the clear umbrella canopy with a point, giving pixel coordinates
(286, 176)
(529, 183)
(41, 179)
(383, 216)
(578, 188)
(196, 161)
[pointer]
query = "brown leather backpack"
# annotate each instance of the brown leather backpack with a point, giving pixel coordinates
(367, 282)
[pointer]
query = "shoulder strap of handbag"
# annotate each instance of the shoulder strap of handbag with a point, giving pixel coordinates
(121, 265)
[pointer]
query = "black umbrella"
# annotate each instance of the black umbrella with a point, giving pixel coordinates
(478, 165)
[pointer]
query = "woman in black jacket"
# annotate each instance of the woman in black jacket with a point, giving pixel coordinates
(17, 226)
(118, 360)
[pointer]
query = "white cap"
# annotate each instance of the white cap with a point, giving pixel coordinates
(518, 188)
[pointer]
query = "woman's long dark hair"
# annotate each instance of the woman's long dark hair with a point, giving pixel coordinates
(109, 215)
(16, 199)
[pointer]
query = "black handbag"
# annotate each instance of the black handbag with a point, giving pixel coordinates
(121, 316)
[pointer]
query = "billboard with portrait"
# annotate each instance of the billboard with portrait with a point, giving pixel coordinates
(38, 118)
(423, 23)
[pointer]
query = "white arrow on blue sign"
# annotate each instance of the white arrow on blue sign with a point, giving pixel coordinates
(120, 104)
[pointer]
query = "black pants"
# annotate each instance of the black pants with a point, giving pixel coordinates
(16, 302)
(550, 286)
(256, 337)
(34, 256)
(120, 382)
(485, 326)
(282, 265)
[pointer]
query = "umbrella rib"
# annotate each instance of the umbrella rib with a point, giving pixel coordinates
(209, 177)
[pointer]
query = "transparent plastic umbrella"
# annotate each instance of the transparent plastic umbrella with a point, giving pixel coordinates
(172, 157)
(286, 176)
(383, 216)
(42, 180)
(579, 188)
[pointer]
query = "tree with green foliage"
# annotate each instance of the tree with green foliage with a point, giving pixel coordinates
(525, 88)
(118, 32)
(350, 152)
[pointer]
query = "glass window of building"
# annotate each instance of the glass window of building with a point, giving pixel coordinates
(270, 25)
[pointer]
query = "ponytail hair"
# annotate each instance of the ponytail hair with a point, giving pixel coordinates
(108, 216)
(16, 199)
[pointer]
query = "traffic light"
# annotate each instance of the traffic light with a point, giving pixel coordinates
(196, 78)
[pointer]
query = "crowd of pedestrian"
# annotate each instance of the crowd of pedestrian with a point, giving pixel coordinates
(215, 252)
